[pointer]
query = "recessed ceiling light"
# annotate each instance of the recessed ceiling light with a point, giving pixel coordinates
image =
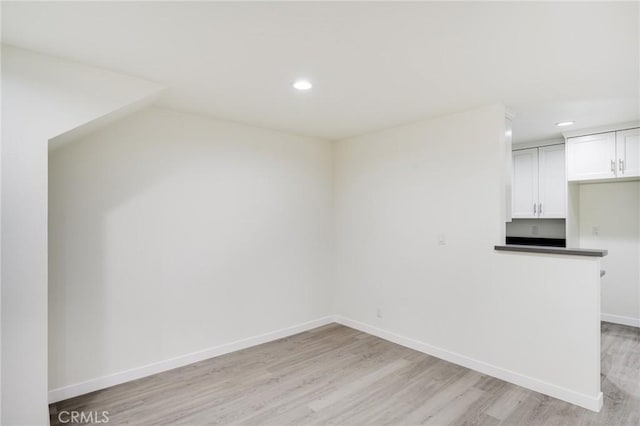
(565, 123)
(302, 85)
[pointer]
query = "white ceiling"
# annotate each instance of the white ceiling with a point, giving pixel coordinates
(373, 65)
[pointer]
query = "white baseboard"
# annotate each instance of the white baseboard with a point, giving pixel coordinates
(589, 402)
(617, 319)
(82, 388)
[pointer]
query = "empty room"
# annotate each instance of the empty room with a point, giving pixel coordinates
(311, 213)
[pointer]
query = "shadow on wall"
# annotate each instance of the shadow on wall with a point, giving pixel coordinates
(108, 171)
(164, 223)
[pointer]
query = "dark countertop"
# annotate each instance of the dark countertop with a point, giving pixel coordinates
(553, 250)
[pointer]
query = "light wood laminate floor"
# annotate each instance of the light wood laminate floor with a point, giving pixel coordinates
(337, 375)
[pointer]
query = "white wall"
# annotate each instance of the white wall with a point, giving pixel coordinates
(614, 208)
(172, 233)
(531, 319)
(41, 98)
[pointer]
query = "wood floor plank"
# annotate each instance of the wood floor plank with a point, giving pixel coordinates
(356, 386)
(446, 395)
(455, 408)
(507, 403)
(337, 375)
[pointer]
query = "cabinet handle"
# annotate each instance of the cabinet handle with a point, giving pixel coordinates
(613, 166)
(540, 209)
(621, 165)
(534, 208)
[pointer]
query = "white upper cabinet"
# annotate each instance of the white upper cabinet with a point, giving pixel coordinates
(525, 183)
(591, 157)
(628, 149)
(604, 156)
(539, 183)
(552, 182)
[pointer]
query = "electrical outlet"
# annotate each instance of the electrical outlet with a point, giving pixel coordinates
(595, 230)
(379, 312)
(442, 240)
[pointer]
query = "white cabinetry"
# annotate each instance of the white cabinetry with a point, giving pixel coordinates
(591, 157)
(607, 155)
(539, 183)
(525, 183)
(552, 182)
(628, 152)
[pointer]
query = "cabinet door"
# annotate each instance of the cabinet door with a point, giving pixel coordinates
(628, 149)
(592, 157)
(525, 183)
(552, 185)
